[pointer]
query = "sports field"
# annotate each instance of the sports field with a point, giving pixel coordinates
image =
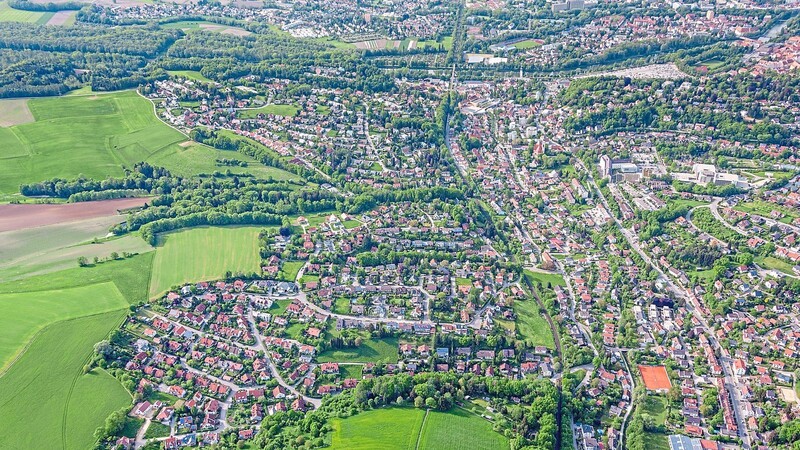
(204, 253)
(655, 377)
(407, 428)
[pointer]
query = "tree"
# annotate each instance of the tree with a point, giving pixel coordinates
(430, 402)
(82, 261)
(104, 349)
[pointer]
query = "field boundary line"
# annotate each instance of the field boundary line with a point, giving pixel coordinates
(88, 357)
(422, 428)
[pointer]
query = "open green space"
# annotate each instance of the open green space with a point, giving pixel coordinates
(371, 350)
(527, 44)
(289, 270)
(90, 135)
(47, 401)
(189, 75)
(156, 430)
(531, 324)
(9, 14)
(278, 110)
(203, 253)
(26, 313)
(765, 209)
(553, 279)
(407, 428)
(771, 262)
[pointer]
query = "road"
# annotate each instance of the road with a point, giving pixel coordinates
(693, 306)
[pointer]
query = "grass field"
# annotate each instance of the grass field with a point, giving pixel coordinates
(113, 130)
(531, 325)
(371, 350)
(189, 74)
(203, 253)
(406, 428)
(289, 270)
(156, 430)
(47, 401)
(278, 110)
(771, 262)
(25, 314)
(763, 208)
(9, 14)
(527, 44)
(539, 277)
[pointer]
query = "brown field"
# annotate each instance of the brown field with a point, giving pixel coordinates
(14, 112)
(60, 17)
(20, 217)
(655, 378)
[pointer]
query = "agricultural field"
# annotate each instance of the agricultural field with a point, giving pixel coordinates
(278, 110)
(114, 131)
(406, 428)
(371, 350)
(14, 112)
(9, 14)
(27, 313)
(204, 253)
(50, 407)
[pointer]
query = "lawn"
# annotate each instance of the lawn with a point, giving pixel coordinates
(460, 430)
(47, 401)
(771, 262)
(539, 277)
(203, 253)
(407, 428)
(156, 430)
(371, 350)
(531, 325)
(27, 313)
(527, 44)
(92, 135)
(132, 425)
(278, 110)
(289, 270)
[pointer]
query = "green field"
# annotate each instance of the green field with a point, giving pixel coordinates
(203, 253)
(771, 262)
(539, 277)
(26, 313)
(371, 350)
(190, 75)
(526, 44)
(406, 428)
(47, 401)
(531, 325)
(763, 208)
(289, 270)
(9, 14)
(278, 110)
(91, 135)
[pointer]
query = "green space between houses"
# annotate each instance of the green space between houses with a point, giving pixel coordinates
(26, 313)
(765, 209)
(48, 402)
(289, 270)
(278, 110)
(656, 407)
(771, 262)
(407, 428)
(190, 75)
(531, 324)
(553, 279)
(370, 350)
(203, 253)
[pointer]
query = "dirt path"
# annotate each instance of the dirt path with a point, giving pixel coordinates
(422, 427)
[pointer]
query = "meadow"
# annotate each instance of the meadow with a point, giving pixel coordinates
(531, 325)
(190, 75)
(203, 253)
(407, 428)
(26, 313)
(115, 130)
(543, 278)
(371, 350)
(48, 401)
(278, 110)
(9, 14)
